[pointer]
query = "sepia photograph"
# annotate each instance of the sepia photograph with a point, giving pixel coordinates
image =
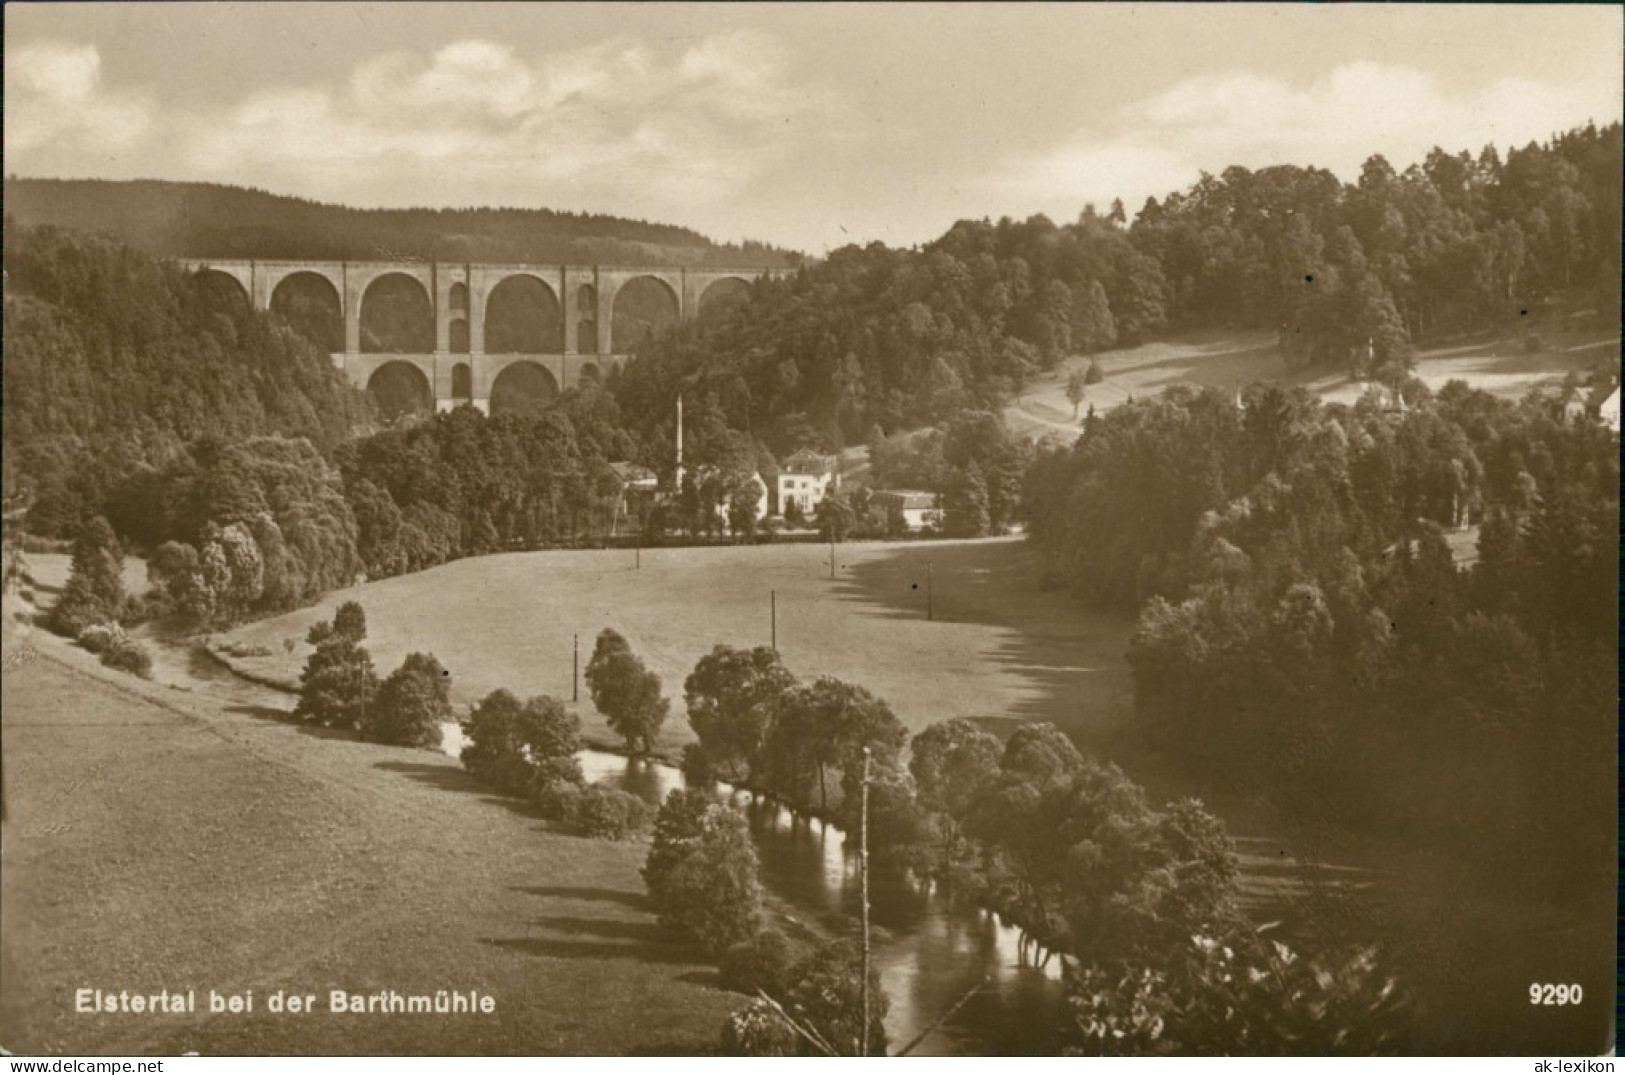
(810, 530)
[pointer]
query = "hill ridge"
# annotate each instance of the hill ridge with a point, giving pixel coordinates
(185, 219)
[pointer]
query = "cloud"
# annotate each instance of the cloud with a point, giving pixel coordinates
(618, 123)
(1335, 122)
(55, 100)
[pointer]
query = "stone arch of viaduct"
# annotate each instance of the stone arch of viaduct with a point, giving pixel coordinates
(459, 293)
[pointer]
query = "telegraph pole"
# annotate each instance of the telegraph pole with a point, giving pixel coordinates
(773, 606)
(575, 669)
(832, 552)
(930, 612)
(863, 875)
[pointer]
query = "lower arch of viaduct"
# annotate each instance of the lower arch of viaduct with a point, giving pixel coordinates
(583, 299)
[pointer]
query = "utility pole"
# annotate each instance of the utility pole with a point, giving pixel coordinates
(863, 875)
(773, 606)
(575, 669)
(637, 561)
(832, 552)
(930, 612)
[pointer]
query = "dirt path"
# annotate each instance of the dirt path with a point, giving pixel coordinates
(161, 839)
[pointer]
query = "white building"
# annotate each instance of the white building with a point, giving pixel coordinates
(1608, 410)
(638, 488)
(918, 509)
(804, 480)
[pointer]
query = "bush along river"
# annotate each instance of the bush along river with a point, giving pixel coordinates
(928, 950)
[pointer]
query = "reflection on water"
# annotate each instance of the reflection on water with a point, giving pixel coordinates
(928, 952)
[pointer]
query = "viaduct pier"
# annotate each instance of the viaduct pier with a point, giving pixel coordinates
(447, 334)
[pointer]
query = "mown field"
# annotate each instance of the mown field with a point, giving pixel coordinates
(997, 648)
(166, 839)
(1502, 365)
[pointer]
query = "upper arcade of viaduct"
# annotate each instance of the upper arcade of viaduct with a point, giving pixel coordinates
(561, 322)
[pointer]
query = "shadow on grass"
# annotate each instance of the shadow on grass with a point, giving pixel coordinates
(680, 1048)
(637, 900)
(451, 778)
(1069, 661)
(283, 716)
(607, 928)
(707, 979)
(654, 953)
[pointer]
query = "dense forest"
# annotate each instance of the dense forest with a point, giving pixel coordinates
(116, 361)
(1349, 275)
(206, 220)
(1311, 620)
(127, 382)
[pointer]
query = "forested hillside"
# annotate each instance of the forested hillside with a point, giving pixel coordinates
(205, 220)
(115, 361)
(1350, 275)
(124, 378)
(1310, 627)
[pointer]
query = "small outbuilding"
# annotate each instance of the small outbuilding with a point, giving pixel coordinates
(917, 509)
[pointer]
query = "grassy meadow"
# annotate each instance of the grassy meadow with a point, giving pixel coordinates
(1502, 365)
(192, 839)
(997, 648)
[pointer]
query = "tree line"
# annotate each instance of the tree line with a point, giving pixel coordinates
(1349, 275)
(1138, 901)
(210, 220)
(1310, 621)
(119, 366)
(116, 362)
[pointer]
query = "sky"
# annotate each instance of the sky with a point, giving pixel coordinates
(805, 125)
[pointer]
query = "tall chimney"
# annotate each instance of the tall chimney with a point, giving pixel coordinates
(679, 480)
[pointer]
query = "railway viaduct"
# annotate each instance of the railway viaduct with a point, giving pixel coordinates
(576, 322)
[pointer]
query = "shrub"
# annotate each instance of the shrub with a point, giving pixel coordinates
(410, 706)
(100, 637)
(1236, 994)
(128, 656)
(95, 589)
(558, 769)
(522, 747)
(731, 696)
(758, 1030)
(1094, 374)
(338, 680)
(828, 997)
(767, 962)
(70, 618)
(626, 692)
(695, 765)
(139, 608)
(611, 814)
(244, 649)
(702, 871)
(557, 800)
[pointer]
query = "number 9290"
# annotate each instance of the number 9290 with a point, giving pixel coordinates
(1546, 994)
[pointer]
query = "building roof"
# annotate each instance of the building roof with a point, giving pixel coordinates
(807, 461)
(633, 473)
(907, 499)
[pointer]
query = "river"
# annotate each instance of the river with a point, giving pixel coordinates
(928, 951)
